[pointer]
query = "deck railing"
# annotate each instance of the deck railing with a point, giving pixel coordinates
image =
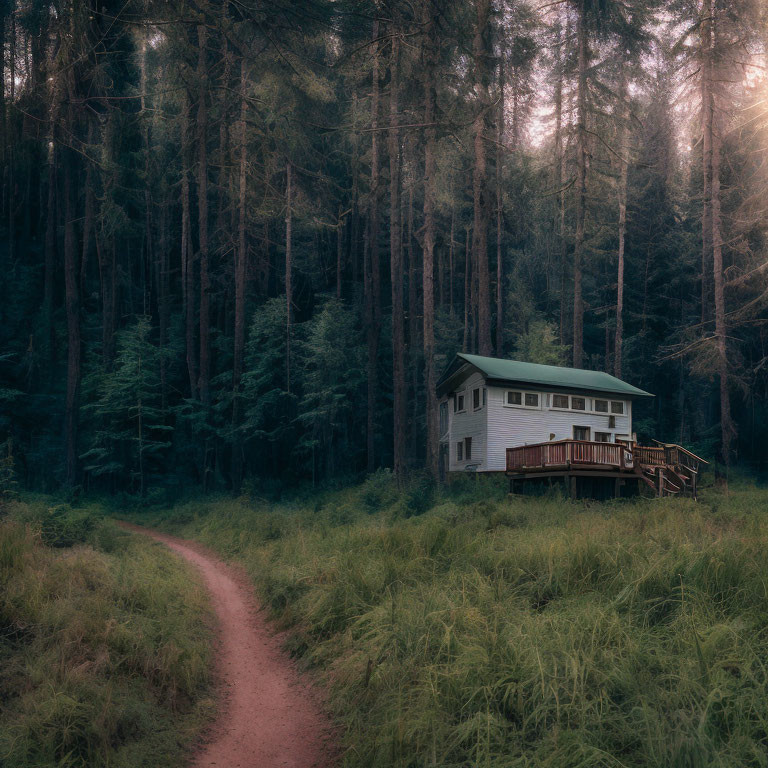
(566, 452)
(647, 455)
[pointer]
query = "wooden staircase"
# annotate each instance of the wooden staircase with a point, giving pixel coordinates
(667, 468)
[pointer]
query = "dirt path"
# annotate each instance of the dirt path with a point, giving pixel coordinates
(270, 717)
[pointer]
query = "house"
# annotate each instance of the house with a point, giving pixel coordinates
(545, 422)
(487, 405)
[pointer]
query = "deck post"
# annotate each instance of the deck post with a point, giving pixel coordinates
(659, 481)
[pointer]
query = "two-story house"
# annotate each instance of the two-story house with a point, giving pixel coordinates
(487, 405)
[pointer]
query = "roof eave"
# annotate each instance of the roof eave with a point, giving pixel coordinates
(566, 387)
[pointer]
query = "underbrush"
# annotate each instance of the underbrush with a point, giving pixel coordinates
(486, 631)
(104, 645)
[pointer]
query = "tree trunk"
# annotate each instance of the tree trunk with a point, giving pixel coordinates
(202, 208)
(73, 323)
(88, 216)
(288, 271)
(500, 217)
(581, 188)
(623, 173)
(50, 252)
(714, 128)
(480, 181)
(430, 141)
(241, 271)
(396, 267)
(467, 292)
(187, 259)
(339, 251)
(373, 283)
(560, 169)
(705, 64)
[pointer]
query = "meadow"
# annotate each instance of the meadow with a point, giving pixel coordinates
(105, 643)
(461, 628)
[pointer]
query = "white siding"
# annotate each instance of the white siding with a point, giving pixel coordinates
(494, 427)
(509, 426)
(470, 423)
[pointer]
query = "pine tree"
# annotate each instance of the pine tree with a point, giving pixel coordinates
(131, 435)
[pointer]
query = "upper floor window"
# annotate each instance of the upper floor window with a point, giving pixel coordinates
(601, 406)
(522, 399)
(458, 403)
(578, 404)
(617, 406)
(478, 398)
(559, 401)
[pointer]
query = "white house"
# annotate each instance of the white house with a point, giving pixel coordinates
(487, 405)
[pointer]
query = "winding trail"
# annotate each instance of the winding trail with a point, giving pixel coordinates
(270, 716)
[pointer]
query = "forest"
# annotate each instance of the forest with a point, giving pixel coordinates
(241, 240)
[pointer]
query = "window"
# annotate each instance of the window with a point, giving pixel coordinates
(581, 433)
(443, 418)
(617, 406)
(476, 399)
(578, 404)
(468, 448)
(559, 401)
(485, 396)
(601, 406)
(458, 403)
(603, 437)
(524, 399)
(460, 451)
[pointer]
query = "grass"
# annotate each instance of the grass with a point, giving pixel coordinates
(527, 632)
(104, 644)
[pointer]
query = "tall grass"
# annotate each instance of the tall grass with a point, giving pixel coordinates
(104, 647)
(528, 632)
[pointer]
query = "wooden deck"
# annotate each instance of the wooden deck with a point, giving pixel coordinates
(667, 468)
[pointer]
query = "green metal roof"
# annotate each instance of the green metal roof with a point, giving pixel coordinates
(516, 372)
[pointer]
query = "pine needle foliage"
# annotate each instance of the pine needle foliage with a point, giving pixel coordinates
(132, 434)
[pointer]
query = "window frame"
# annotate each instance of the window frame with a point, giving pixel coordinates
(588, 438)
(467, 449)
(609, 435)
(476, 394)
(463, 396)
(459, 451)
(583, 399)
(621, 412)
(566, 407)
(523, 393)
(597, 400)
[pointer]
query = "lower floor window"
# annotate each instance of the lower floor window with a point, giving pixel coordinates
(603, 437)
(581, 433)
(464, 449)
